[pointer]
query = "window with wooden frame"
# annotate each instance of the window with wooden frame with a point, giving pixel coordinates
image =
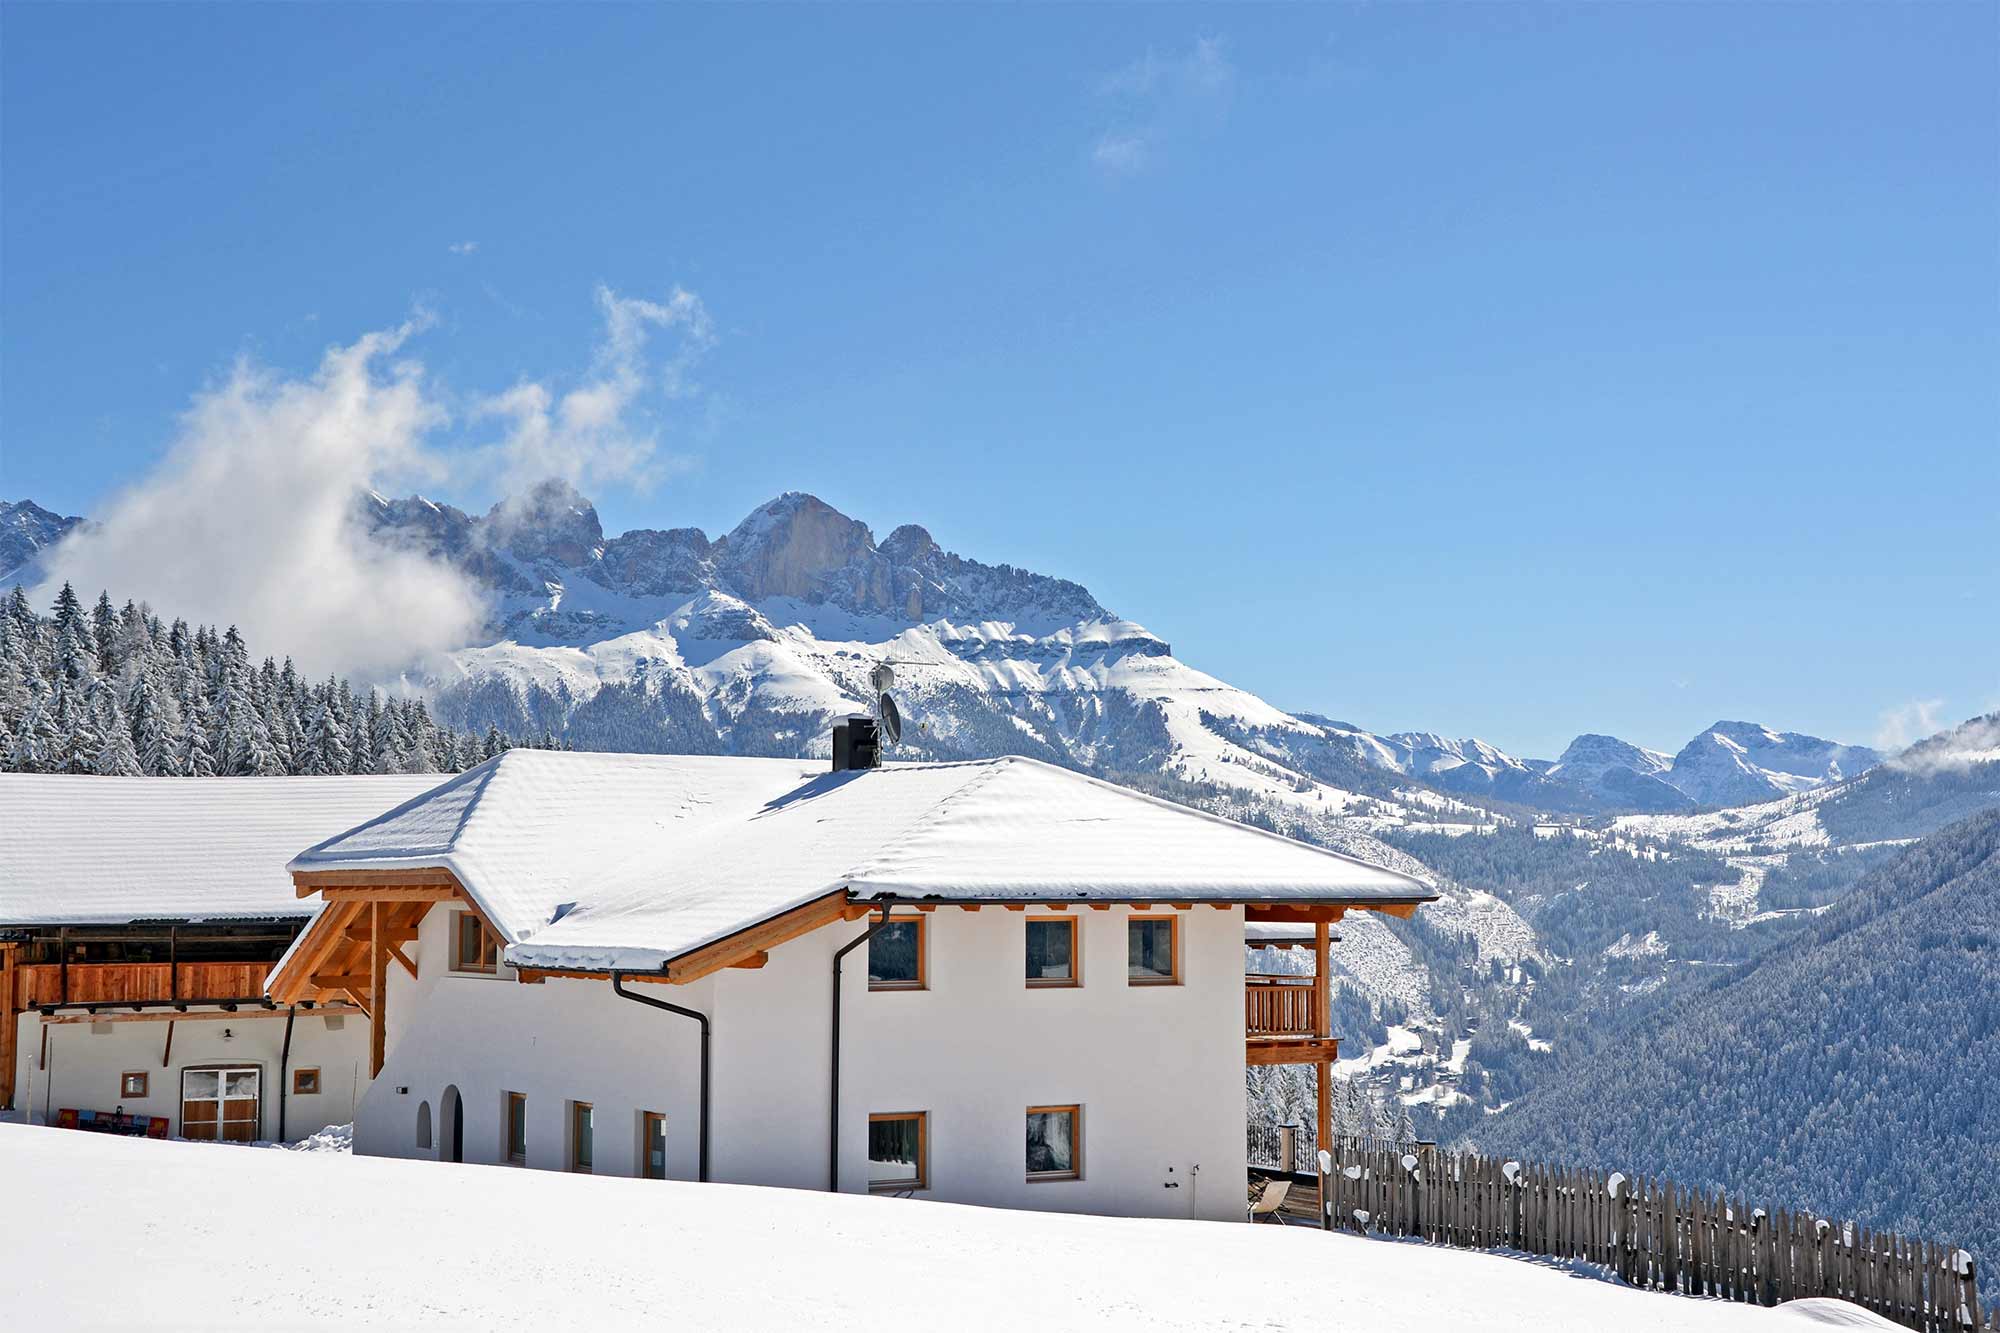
(899, 1151)
(473, 947)
(582, 1137)
(1051, 951)
(305, 1082)
(896, 954)
(1055, 1143)
(652, 1145)
(514, 1119)
(1152, 951)
(133, 1083)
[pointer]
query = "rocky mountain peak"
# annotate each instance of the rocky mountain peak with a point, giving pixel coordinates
(26, 530)
(548, 521)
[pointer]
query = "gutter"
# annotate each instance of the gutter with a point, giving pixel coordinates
(833, 1096)
(285, 1069)
(618, 988)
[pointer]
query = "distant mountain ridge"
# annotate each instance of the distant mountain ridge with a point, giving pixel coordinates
(26, 530)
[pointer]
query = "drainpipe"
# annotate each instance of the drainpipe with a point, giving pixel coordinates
(618, 988)
(285, 1070)
(833, 1112)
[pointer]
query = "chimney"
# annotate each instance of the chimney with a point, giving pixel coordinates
(854, 743)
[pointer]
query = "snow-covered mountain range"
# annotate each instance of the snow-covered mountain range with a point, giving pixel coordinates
(26, 530)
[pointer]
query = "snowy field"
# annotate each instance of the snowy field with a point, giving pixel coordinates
(100, 1233)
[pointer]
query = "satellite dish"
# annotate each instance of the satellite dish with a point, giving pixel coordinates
(881, 677)
(892, 720)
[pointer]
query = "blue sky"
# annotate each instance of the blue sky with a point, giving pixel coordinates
(1510, 370)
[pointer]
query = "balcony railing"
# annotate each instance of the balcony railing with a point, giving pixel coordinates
(114, 983)
(1280, 1006)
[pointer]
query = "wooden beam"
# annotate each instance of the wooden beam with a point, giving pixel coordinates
(769, 934)
(391, 893)
(173, 1016)
(340, 981)
(1311, 1051)
(322, 937)
(855, 911)
(378, 988)
(1100, 907)
(396, 952)
(926, 907)
(535, 976)
(1222, 907)
(309, 882)
(402, 935)
(757, 959)
(968, 907)
(1017, 907)
(1404, 910)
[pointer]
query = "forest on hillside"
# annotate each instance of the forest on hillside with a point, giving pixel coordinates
(119, 692)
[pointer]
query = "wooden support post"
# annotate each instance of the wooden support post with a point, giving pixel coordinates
(1323, 1125)
(8, 1021)
(378, 977)
(1322, 1019)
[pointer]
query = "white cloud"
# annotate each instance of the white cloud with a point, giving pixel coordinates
(1973, 742)
(1908, 724)
(1158, 96)
(1121, 154)
(462, 247)
(252, 516)
(591, 434)
(1203, 70)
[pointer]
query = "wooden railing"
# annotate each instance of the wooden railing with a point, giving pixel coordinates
(1280, 1006)
(1649, 1232)
(122, 983)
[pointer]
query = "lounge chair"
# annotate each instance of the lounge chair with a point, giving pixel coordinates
(1272, 1201)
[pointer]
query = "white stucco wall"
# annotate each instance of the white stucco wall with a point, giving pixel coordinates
(86, 1062)
(1158, 1070)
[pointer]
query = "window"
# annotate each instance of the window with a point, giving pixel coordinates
(423, 1125)
(899, 1151)
(652, 1145)
(581, 1134)
(1055, 1148)
(1052, 951)
(516, 1120)
(896, 955)
(133, 1084)
(1152, 953)
(305, 1082)
(473, 948)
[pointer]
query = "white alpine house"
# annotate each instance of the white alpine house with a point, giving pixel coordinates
(1018, 985)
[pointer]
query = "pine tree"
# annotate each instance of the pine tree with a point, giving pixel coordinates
(69, 611)
(104, 634)
(325, 744)
(494, 745)
(36, 747)
(153, 726)
(115, 756)
(194, 752)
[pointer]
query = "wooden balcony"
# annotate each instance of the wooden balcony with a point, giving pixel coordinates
(128, 983)
(1280, 1006)
(1284, 1021)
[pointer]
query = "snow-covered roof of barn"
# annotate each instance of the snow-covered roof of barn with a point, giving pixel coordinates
(106, 851)
(591, 861)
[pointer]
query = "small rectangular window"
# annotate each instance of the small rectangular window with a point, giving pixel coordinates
(1055, 1142)
(896, 955)
(473, 948)
(1052, 951)
(899, 1151)
(581, 1134)
(1152, 953)
(517, 1127)
(652, 1145)
(133, 1084)
(305, 1082)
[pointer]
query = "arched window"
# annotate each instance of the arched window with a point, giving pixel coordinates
(424, 1125)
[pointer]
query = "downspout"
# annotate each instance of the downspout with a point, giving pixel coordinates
(618, 988)
(833, 1110)
(285, 1069)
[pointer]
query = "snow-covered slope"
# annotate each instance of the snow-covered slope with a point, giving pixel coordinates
(329, 1241)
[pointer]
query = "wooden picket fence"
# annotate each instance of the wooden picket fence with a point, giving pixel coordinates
(1651, 1233)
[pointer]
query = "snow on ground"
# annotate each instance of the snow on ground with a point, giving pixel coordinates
(106, 1233)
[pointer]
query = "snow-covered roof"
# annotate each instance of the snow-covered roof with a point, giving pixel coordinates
(101, 851)
(597, 860)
